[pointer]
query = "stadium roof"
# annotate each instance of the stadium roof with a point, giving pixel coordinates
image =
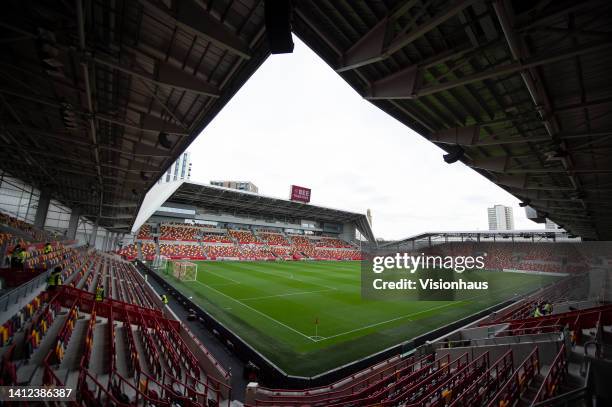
(504, 234)
(98, 98)
(518, 90)
(244, 203)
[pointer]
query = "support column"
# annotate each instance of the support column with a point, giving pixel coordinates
(73, 223)
(105, 242)
(93, 236)
(41, 212)
(111, 242)
(139, 250)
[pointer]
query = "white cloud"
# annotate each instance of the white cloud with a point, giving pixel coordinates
(297, 122)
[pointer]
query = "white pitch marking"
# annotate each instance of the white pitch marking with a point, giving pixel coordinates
(226, 278)
(257, 311)
(285, 295)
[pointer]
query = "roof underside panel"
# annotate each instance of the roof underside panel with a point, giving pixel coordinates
(520, 91)
(97, 99)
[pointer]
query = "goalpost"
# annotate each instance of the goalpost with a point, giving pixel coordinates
(184, 270)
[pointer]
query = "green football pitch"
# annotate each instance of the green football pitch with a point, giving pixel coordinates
(273, 306)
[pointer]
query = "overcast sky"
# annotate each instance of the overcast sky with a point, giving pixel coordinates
(298, 122)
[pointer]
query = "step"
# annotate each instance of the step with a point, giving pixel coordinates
(142, 355)
(99, 361)
(530, 393)
(72, 379)
(26, 369)
(121, 351)
(76, 346)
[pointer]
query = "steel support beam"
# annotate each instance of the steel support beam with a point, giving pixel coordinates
(73, 223)
(503, 70)
(94, 235)
(376, 45)
(494, 164)
(43, 207)
(191, 17)
(399, 83)
(469, 136)
(167, 75)
(89, 100)
(520, 182)
(463, 136)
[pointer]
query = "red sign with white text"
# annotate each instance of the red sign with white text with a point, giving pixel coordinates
(300, 194)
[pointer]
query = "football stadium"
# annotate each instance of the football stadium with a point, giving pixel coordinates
(125, 283)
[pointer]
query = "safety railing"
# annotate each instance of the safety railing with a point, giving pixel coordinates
(550, 385)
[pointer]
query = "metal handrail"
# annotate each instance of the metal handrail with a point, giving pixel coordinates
(16, 294)
(565, 398)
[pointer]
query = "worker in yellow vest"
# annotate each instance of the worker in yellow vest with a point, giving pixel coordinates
(55, 278)
(537, 313)
(164, 299)
(99, 293)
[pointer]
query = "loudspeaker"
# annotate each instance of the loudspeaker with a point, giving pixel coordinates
(454, 155)
(164, 141)
(278, 25)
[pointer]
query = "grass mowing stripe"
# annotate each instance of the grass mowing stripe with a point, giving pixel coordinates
(290, 278)
(286, 295)
(411, 315)
(257, 311)
(223, 277)
(222, 284)
(389, 320)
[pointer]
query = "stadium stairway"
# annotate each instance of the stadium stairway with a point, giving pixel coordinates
(219, 350)
(64, 337)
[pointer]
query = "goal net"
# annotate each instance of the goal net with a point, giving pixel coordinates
(160, 262)
(185, 270)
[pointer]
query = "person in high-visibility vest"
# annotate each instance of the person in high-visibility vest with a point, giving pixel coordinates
(164, 298)
(547, 308)
(55, 278)
(537, 313)
(47, 249)
(99, 293)
(18, 257)
(22, 255)
(15, 259)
